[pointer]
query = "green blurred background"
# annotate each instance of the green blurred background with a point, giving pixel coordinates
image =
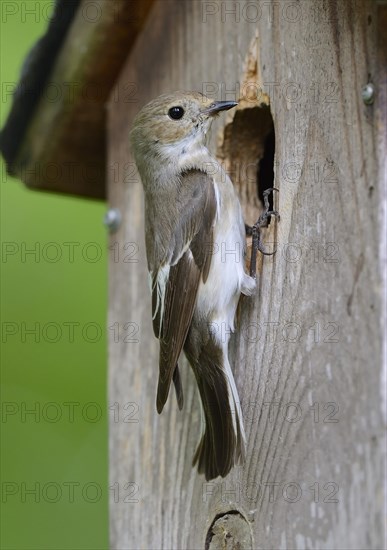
(53, 461)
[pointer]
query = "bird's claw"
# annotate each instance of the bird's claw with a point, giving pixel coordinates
(255, 230)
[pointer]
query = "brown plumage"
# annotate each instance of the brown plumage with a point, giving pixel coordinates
(191, 211)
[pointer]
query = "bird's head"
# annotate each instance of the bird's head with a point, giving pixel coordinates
(174, 122)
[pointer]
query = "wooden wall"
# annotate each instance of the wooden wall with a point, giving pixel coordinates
(308, 352)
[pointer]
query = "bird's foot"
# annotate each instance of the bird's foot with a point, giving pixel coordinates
(255, 231)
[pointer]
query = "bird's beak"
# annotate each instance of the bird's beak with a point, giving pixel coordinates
(217, 106)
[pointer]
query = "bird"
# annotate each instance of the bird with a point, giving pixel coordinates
(195, 245)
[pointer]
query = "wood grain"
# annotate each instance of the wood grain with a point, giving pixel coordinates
(308, 351)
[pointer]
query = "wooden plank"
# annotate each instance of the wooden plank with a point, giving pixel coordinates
(308, 352)
(64, 147)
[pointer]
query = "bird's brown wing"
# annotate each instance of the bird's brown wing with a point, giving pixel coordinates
(175, 286)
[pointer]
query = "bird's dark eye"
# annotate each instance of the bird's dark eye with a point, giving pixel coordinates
(176, 113)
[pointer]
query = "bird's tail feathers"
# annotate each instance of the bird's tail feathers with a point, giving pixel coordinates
(222, 444)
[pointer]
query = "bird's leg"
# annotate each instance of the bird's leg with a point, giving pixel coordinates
(255, 231)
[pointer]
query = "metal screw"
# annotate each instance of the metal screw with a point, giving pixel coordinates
(112, 219)
(368, 93)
